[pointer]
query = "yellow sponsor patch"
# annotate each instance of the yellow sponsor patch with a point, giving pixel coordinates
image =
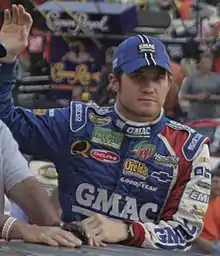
(135, 168)
(40, 112)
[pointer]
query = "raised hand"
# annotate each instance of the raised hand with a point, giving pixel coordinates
(15, 30)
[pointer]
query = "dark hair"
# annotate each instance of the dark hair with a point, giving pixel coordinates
(118, 73)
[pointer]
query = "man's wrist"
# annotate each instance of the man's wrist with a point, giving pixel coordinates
(135, 234)
(124, 231)
(18, 229)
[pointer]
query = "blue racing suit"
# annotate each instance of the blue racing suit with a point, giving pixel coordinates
(154, 174)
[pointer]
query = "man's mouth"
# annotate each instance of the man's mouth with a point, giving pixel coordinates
(146, 100)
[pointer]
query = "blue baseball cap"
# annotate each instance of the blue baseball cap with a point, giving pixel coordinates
(140, 51)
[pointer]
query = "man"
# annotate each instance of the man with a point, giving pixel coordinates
(19, 184)
(208, 241)
(126, 174)
(202, 89)
(46, 174)
(171, 105)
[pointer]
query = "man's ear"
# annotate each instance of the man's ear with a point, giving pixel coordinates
(170, 80)
(113, 82)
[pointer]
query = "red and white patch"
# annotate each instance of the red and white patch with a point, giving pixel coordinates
(105, 156)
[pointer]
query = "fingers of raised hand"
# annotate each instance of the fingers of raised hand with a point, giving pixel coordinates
(18, 16)
(24, 18)
(15, 14)
(7, 17)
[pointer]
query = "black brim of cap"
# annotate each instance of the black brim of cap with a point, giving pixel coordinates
(3, 51)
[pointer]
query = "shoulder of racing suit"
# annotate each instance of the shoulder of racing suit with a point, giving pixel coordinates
(193, 141)
(82, 113)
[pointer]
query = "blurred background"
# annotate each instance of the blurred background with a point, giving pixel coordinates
(71, 45)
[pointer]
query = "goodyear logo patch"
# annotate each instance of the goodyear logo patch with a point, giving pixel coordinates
(135, 168)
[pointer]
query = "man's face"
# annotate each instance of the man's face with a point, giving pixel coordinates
(143, 92)
(215, 191)
(205, 64)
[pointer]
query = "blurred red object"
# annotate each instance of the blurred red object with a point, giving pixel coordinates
(38, 2)
(4, 4)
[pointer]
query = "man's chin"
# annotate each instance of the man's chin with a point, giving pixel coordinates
(151, 115)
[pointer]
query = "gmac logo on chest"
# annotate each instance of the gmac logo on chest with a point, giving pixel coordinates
(138, 131)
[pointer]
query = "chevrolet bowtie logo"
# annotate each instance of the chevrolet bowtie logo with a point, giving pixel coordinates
(162, 176)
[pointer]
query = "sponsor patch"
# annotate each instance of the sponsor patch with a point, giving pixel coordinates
(168, 161)
(80, 148)
(144, 150)
(40, 112)
(105, 156)
(139, 131)
(198, 196)
(199, 213)
(135, 168)
(99, 110)
(202, 184)
(194, 141)
(204, 159)
(78, 112)
(202, 171)
(148, 48)
(99, 120)
(162, 176)
(138, 184)
(107, 137)
(52, 112)
(169, 233)
(178, 126)
(93, 199)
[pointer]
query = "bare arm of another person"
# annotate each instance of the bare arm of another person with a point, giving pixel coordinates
(186, 91)
(205, 244)
(11, 228)
(20, 184)
(215, 97)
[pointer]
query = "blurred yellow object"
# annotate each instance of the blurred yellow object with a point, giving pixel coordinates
(45, 172)
(85, 96)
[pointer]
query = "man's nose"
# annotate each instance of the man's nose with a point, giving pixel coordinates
(147, 85)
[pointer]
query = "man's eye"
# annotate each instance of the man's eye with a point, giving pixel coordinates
(158, 77)
(137, 76)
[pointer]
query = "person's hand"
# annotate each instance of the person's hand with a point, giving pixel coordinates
(99, 229)
(15, 30)
(53, 236)
(81, 230)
